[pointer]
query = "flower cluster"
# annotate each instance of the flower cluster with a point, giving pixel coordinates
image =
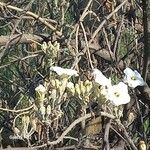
(62, 87)
(118, 94)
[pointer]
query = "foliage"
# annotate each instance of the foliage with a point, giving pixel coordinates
(70, 111)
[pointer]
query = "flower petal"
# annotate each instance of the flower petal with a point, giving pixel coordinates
(118, 94)
(129, 72)
(60, 71)
(100, 78)
(133, 78)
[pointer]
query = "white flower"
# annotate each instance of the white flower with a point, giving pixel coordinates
(133, 78)
(40, 89)
(101, 79)
(60, 71)
(118, 94)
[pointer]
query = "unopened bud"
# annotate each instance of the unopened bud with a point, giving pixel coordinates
(53, 83)
(142, 145)
(70, 87)
(33, 124)
(40, 92)
(48, 110)
(57, 83)
(82, 88)
(44, 46)
(77, 89)
(88, 86)
(42, 110)
(16, 130)
(53, 94)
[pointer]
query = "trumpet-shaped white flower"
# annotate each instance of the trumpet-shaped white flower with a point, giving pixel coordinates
(101, 79)
(133, 78)
(60, 71)
(118, 94)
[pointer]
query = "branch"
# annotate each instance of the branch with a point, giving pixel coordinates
(17, 111)
(20, 38)
(146, 39)
(19, 148)
(126, 135)
(34, 16)
(97, 31)
(72, 125)
(107, 18)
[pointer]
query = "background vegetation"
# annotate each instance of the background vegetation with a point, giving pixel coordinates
(82, 34)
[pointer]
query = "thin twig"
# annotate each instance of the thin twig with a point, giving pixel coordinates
(15, 27)
(17, 111)
(34, 16)
(117, 39)
(108, 45)
(100, 27)
(146, 39)
(126, 135)
(107, 18)
(72, 125)
(85, 10)
(141, 117)
(18, 59)
(106, 135)
(20, 38)
(87, 46)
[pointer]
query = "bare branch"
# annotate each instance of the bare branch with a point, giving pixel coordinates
(20, 38)
(34, 16)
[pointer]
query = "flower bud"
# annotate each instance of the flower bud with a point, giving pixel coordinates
(86, 83)
(63, 86)
(42, 110)
(16, 130)
(44, 46)
(53, 84)
(57, 45)
(82, 88)
(131, 117)
(23, 120)
(77, 89)
(57, 83)
(49, 44)
(53, 94)
(142, 145)
(48, 110)
(40, 93)
(33, 122)
(70, 87)
(88, 86)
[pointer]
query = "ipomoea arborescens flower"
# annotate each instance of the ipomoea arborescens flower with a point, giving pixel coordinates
(133, 78)
(118, 94)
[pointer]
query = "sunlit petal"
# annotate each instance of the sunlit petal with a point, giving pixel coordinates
(60, 71)
(118, 94)
(100, 78)
(133, 78)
